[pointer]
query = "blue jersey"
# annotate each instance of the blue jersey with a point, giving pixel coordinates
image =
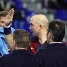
(39, 46)
(3, 45)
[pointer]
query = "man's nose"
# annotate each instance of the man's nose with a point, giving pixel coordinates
(30, 27)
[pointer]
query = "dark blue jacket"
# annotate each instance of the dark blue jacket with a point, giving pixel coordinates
(54, 55)
(18, 58)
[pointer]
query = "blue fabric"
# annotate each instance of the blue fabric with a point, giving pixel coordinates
(61, 14)
(3, 45)
(39, 46)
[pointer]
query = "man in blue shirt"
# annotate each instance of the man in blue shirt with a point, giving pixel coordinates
(3, 44)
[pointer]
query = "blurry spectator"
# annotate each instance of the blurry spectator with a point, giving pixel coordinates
(57, 4)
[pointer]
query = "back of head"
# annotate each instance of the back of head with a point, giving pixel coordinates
(22, 38)
(57, 29)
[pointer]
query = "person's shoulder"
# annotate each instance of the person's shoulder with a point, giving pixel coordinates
(4, 57)
(41, 51)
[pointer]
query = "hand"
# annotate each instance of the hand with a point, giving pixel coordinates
(9, 17)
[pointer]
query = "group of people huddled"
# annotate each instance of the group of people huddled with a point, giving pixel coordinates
(45, 49)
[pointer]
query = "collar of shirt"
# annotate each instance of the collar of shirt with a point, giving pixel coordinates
(55, 42)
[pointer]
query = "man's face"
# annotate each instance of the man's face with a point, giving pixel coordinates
(34, 27)
(2, 19)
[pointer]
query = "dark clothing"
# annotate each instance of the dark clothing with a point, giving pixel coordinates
(54, 55)
(18, 58)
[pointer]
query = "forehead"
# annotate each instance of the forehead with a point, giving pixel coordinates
(33, 20)
(2, 17)
(32, 23)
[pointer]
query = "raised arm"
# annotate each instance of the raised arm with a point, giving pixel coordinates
(7, 28)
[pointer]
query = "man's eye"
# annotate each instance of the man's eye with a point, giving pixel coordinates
(2, 21)
(31, 24)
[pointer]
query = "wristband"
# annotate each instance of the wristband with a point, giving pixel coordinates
(6, 26)
(7, 30)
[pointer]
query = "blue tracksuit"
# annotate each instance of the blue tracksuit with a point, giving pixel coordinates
(3, 45)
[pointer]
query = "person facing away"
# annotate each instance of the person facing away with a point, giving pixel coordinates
(20, 57)
(38, 27)
(55, 53)
(3, 44)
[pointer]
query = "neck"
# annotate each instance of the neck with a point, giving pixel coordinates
(42, 37)
(49, 40)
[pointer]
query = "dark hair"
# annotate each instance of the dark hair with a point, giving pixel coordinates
(3, 13)
(22, 38)
(57, 29)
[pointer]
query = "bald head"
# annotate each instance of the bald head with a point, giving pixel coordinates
(40, 19)
(38, 24)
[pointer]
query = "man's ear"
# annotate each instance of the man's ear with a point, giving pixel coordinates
(49, 35)
(14, 43)
(40, 26)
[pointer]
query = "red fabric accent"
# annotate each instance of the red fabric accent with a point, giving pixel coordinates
(33, 46)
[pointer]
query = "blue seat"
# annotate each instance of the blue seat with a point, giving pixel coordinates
(28, 14)
(21, 25)
(26, 27)
(18, 4)
(18, 24)
(61, 14)
(14, 24)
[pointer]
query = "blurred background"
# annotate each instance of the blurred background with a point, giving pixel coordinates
(25, 9)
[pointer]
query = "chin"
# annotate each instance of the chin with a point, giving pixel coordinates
(33, 34)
